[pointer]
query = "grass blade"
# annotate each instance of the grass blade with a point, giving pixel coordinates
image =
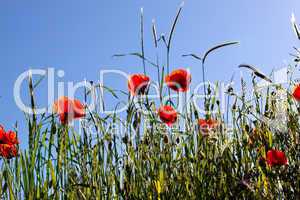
(218, 47)
(174, 25)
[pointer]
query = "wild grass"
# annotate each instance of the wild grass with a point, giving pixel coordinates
(152, 161)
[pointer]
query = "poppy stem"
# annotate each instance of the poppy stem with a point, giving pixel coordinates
(158, 71)
(203, 78)
(168, 70)
(142, 40)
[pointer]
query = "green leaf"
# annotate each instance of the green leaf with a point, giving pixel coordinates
(192, 55)
(295, 26)
(174, 25)
(217, 47)
(256, 72)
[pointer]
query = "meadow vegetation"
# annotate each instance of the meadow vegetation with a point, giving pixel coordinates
(250, 150)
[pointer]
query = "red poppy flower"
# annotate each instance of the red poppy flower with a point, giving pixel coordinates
(207, 125)
(179, 80)
(8, 144)
(8, 137)
(296, 92)
(68, 109)
(167, 115)
(137, 84)
(276, 157)
(8, 151)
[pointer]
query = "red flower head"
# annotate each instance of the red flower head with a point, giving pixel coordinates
(8, 151)
(8, 137)
(8, 144)
(167, 115)
(276, 157)
(207, 125)
(296, 92)
(137, 84)
(179, 80)
(68, 109)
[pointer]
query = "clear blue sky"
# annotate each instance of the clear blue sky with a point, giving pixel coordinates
(80, 36)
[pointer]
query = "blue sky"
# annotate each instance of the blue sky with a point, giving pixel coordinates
(80, 37)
